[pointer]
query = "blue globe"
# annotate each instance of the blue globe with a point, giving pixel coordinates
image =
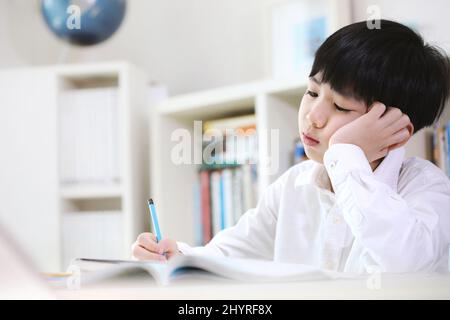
(83, 22)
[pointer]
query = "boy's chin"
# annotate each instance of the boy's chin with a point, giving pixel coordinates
(314, 155)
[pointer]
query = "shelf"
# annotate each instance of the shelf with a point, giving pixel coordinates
(287, 88)
(89, 70)
(227, 100)
(89, 191)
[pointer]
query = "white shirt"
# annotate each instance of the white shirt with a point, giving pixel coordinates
(396, 218)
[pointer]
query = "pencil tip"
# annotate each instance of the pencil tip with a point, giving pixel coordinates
(150, 201)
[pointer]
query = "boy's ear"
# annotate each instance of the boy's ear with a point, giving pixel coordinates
(410, 128)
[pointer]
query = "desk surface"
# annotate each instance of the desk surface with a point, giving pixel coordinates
(142, 286)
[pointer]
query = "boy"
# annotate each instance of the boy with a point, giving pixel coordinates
(357, 203)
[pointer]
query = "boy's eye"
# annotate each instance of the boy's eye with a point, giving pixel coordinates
(341, 109)
(312, 94)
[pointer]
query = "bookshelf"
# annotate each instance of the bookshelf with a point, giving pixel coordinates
(275, 105)
(117, 201)
(55, 219)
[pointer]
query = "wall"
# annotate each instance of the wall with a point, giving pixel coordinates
(188, 45)
(429, 17)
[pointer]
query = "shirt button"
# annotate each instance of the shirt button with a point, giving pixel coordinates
(337, 220)
(332, 164)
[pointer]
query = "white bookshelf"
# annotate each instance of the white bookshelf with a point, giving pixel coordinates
(128, 194)
(275, 104)
(39, 204)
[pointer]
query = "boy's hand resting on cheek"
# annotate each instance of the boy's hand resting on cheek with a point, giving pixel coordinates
(146, 248)
(376, 133)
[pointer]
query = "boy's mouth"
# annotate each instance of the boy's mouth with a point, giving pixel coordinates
(308, 140)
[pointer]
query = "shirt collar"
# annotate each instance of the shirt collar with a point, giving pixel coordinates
(387, 172)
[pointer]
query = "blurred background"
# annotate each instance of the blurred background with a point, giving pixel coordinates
(188, 45)
(93, 98)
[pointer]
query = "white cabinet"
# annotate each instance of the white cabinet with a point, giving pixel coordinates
(28, 175)
(37, 203)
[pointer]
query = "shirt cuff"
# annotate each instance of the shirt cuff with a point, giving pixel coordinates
(340, 159)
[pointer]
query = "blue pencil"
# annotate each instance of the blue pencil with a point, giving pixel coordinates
(154, 218)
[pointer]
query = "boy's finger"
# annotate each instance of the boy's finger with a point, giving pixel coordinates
(377, 109)
(141, 253)
(399, 124)
(146, 241)
(391, 116)
(398, 137)
(166, 245)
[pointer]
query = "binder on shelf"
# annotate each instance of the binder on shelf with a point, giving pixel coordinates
(205, 206)
(216, 200)
(198, 230)
(227, 197)
(441, 147)
(89, 136)
(236, 192)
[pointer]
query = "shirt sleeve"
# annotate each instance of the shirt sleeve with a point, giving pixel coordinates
(252, 237)
(399, 233)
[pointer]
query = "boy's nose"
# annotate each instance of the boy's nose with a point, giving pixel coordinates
(316, 117)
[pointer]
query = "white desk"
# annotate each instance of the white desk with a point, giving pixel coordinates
(143, 287)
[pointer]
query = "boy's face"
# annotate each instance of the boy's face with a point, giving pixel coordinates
(322, 112)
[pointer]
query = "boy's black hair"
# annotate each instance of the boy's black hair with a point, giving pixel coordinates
(391, 64)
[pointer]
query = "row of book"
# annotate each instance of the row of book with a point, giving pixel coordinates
(222, 196)
(92, 234)
(88, 127)
(441, 147)
(227, 184)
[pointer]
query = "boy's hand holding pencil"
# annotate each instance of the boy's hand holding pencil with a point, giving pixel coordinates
(147, 248)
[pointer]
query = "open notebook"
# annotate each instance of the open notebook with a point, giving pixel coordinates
(246, 270)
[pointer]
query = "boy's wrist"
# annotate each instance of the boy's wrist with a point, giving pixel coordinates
(342, 158)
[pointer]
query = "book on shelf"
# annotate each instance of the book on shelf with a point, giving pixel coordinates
(299, 153)
(228, 177)
(230, 140)
(202, 267)
(441, 147)
(88, 136)
(230, 124)
(198, 224)
(217, 208)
